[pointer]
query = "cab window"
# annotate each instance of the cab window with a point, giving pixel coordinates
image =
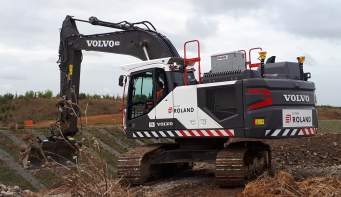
(141, 94)
(179, 78)
(161, 86)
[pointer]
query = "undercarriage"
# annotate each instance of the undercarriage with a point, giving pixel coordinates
(235, 164)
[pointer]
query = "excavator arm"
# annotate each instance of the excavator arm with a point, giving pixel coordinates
(145, 44)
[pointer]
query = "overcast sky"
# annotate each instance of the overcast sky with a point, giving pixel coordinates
(29, 38)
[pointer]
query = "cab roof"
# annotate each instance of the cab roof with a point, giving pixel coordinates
(156, 63)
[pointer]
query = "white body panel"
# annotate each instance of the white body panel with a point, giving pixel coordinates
(164, 110)
(206, 122)
(185, 106)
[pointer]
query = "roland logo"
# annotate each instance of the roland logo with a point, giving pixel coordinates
(102, 43)
(296, 97)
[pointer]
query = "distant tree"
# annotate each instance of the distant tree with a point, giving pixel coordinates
(40, 94)
(8, 96)
(82, 96)
(48, 94)
(96, 96)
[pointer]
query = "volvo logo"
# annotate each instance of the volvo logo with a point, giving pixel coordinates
(102, 43)
(295, 97)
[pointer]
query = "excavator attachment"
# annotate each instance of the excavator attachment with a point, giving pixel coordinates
(48, 154)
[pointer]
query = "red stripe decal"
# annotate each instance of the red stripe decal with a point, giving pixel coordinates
(219, 133)
(209, 132)
(183, 133)
(310, 132)
(304, 132)
(191, 132)
(315, 130)
(200, 133)
(229, 132)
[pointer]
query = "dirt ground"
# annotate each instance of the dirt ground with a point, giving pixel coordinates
(328, 114)
(99, 120)
(318, 156)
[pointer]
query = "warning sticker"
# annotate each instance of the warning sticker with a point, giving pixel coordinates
(224, 57)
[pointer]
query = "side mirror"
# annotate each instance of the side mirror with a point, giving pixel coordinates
(182, 68)
(120, 80)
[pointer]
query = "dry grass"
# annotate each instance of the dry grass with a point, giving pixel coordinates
(90, 177)
(39, 109)
(283, 184)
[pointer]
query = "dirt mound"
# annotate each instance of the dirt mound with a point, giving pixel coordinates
(329, 113)
(303, 157)
(283, 184)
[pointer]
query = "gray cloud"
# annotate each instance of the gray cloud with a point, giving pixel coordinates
(309, 19)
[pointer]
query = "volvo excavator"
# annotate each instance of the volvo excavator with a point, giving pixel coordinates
(273, 100)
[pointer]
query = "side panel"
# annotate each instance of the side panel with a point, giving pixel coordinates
(223, 103)
(164, 113)
(185, 107)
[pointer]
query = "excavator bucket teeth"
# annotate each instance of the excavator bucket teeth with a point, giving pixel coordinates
(52, 154)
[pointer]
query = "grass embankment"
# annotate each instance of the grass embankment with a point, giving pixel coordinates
(45, 178)
(9, 177)
(39, 109)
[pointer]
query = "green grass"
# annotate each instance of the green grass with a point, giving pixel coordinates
(110, 158)
(10, 178)
(10, 147)
(48, 179)
(121, 136)
(108, 141)
(42, 131)
(328, 106)
(329, 126)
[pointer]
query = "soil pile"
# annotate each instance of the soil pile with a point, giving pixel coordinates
(303, 157)
(283, 184)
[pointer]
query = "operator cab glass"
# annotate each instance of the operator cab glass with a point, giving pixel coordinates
(179, 78)
(141, 95)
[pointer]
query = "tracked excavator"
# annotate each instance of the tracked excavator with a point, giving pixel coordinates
(273, 100)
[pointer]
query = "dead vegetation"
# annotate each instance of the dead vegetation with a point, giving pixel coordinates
(283, 184)
(89, 175)
(39, 109)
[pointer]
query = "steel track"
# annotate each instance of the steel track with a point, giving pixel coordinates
(133, 165)
(236, 165)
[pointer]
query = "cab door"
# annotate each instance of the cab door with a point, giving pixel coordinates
(164, 102)
(141, 101)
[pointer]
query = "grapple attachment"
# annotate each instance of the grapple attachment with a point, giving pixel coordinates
(56, 153)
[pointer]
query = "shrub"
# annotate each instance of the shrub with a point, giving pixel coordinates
(8, 96)
(96, 96)
(48, 94)
(58, 95)
(41, 94)
(2, 116)
(82, 96)
(29, 94)
(21, 97)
